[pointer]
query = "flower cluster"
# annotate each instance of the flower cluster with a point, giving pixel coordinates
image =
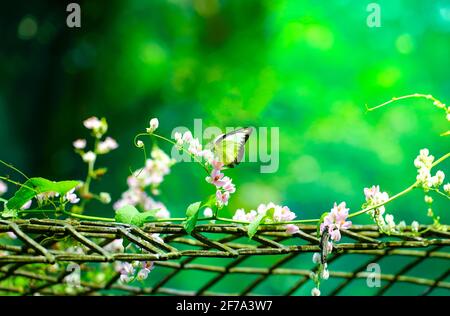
(322, 273)
(150, 176)
(424, 163)
(447, 188)
(224, 185)
(128, 270)
(98, 128)
(335, 221)
(272, 214)
(375, 198)
(330, 228)
(192, 145)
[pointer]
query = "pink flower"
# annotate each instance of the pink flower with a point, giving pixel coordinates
(26, 206)
(72, 197)
(291, 229)
(3, 188)
(92, 123)
(222, 197)
(216, 178)
(217, 164)
(335, 221)
(187, 137)
(79, 144)
(107, 145)
(240, 215)
(228, 185)
(154, 124)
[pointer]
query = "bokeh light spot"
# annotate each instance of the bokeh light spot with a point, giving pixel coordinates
(306, 169)
(28, 28)
(153, 54)
(389, 76)
(319, 36)
(404, 44)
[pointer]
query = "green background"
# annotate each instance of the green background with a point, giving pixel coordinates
(307, 67)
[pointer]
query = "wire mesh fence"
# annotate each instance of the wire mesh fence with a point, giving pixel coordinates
(37, 256)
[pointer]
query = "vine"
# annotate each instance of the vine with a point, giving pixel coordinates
(138, 204)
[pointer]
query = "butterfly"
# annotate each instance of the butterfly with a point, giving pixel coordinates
(229, 148)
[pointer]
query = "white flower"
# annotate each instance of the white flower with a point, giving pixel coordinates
(325, 274)
(401, 226)
(72, 197)
(126, 271)
(415, 226)
(11, 235)
(447, 188)
(92, 123)
(207, 155)
(107, 145)
(79, 144)
(26, 206)
(178, 138)
(316, 258)
(157, 238)
(390, 221)
(375, 197)
(89, 157)
(142, 274)
(315, 292)
(438, 179)
(140, 143)
(115, 246)
(208, 212)
(195, 147)
(187, 137)
(105, 197)
(3, 188)
(424, 176)
(428, 199)
(240, 215)
(424, 159)
(291, 229)
(154, 124)
(98, 127)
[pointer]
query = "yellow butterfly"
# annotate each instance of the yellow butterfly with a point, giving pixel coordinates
(229, 148)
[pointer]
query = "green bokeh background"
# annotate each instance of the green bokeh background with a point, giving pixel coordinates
(307, 67)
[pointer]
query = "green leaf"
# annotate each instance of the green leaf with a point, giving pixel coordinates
(10, 213)
(253, 226)
(320, 222)
(210, 202)
(35, 186)
(192, 216)
(130, 215)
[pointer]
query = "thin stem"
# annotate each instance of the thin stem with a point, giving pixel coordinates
(14, 168)
(175, 144)
(392, 198)
(87, 217)
(441, 193)
(36, 211)
(409, 96)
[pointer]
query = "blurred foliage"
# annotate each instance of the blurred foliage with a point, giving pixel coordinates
(307, 67)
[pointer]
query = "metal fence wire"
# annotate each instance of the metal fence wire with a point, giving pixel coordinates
(38, 255)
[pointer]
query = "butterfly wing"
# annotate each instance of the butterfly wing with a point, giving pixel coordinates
(229, 148)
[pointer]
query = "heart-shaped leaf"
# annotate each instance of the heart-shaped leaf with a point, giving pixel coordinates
(192, 216)
(253, 226)
(130, 215)
(35, 186)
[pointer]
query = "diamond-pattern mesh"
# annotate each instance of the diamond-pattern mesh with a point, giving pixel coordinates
(216, 259)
